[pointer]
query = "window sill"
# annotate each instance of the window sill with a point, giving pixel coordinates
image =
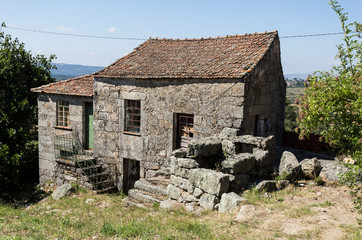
(131, 133)
(63, 128)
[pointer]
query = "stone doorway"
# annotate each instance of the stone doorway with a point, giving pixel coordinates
(131, 173)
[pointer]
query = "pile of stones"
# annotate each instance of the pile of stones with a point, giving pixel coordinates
(212, 170)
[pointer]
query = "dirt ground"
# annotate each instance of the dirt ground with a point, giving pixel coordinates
(307, 212)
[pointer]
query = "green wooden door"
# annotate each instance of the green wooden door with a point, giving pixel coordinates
(89, 125)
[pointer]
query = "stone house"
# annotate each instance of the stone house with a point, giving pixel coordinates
(161, 95)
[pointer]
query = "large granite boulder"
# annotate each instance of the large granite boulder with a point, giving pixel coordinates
(230, 202)
(310, 168)
(62, 191)
(239, 163)
(210, 181)
(204, 147)
(289, 167)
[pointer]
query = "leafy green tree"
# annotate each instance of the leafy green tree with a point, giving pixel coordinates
(332, 103)
(290, 116)
(19, 72)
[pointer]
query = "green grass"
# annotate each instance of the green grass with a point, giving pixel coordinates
(106, 217)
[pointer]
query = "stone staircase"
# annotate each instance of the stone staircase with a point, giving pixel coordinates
(147, 192)
(97, 175)
(84, 168)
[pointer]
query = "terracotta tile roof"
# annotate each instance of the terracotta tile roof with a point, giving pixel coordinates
(221, 57)
(79, 86)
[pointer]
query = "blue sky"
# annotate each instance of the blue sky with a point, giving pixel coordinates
(175, 19)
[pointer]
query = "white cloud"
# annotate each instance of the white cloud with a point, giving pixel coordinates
(112, 29)
(64, 29)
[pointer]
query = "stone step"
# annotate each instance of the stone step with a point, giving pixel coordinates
(144, 196)
(153, 187)
(104, 190)
(133, 202)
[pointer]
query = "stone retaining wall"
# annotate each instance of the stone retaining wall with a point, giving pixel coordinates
(212, 166)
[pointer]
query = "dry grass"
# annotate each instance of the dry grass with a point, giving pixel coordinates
(293, 93)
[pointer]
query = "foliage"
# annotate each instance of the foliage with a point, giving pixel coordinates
(19, 72)
(332, 103)
(290, 116)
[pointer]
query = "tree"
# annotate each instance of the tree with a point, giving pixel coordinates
(19, 72)
(290, 116)
(332, 103)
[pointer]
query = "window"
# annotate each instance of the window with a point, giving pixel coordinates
(133, 116)
(62, 113)
(185, 129)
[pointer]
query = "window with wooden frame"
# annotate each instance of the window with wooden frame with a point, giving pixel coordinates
(185, 129)
(62, 114)
(132, 116)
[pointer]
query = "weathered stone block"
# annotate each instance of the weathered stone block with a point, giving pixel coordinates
(182, 183)
(228, 147)
(62, 191)
(173, 192)
(208, 201)
(268, 143)
(197, 192)
(187, 163)
(210, 181)
(229, 133)
(181, 172)
(240, 163)
(263, 162)
(249, 139)
(267, 185)
(187, 197)
(179, 153)
(204, 147)
(230, 202)
(289, 167)
(310, 168)
(281, 184)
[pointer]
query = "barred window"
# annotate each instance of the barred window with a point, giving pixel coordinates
(63, 113)
(132, 116)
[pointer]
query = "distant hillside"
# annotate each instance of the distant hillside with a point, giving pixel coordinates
(65, 71)
(291, 76)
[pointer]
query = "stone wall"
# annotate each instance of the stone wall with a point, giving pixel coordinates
(210, 167)
(265, 97)
(47, 129)
(215, 104)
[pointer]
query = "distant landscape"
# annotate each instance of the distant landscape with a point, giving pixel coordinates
(66, 71)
